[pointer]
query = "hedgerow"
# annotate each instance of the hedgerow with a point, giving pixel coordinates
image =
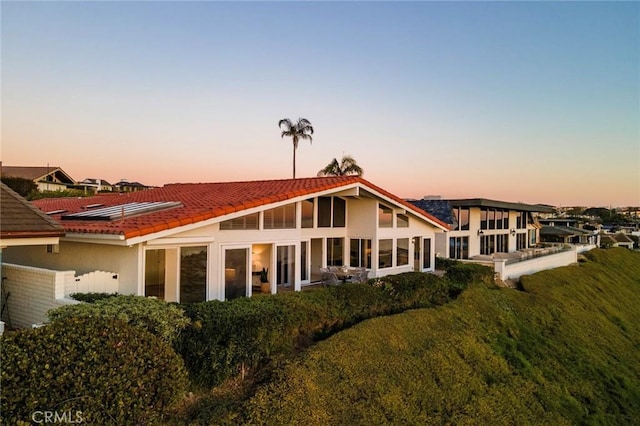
(98, 370)
(225, 339)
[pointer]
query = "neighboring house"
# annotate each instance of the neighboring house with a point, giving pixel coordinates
(204, 241)
(21, 224)
(95, 185)
(616, 240)
(48, 178)
(126, 186)
(567, 235)
(482, 227)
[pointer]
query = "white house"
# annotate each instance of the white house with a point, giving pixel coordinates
(204, 241)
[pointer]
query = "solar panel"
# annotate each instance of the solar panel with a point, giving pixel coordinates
(121, 211)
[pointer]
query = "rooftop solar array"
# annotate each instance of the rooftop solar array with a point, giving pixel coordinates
(122, 211)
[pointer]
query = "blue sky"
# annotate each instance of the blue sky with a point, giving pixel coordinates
(532, 102)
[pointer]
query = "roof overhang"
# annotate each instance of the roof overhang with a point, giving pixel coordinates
(28, 241)
(483, 202)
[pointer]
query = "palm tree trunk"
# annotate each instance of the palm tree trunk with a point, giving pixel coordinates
(294, 161)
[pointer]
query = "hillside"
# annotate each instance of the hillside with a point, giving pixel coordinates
(565, 350)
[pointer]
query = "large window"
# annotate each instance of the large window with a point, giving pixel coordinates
(461, 215)
(494, 219)
(307, 213)
(532, 238)
(283, 217)
(521, 220)
(459, 247)
(360, 253)
(331, 212)
(521, 241)
(385, 216)
(502, 243)
(385, 254)
(402, 221)
(402, 251)
(243, 222)
(193, 274)
(335, 252)
(487, 244)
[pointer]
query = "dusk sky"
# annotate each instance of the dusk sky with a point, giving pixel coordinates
(537, 102)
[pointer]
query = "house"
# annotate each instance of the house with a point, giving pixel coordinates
(21, 225)
(567, 235)
(204, 241)
(95, 185)
(48, 178)
(125, 186)
(483, 227)
(616, 240)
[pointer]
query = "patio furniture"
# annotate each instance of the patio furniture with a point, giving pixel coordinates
(329, 277)
(361, 275)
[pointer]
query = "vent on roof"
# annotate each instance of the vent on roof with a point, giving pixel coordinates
(122, 211)
(56, 211)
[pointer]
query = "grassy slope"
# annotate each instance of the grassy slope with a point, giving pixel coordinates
(564, 351)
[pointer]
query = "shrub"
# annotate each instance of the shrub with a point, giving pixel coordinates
(92, 297)
(460, 275)
(101, 371)
(160, 318)
(227, 338)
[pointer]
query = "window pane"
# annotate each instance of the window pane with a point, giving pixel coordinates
(426, 253)
(367, 254)
(464, 219)
(243, 222)
(280, 217)
(385, 251)
(193, 274)
(483, 219)
(499, 221)
(491, 218)
(324, 212)
(304, 270)
(339, 212)
(354, 252)
(402, 220)
(385, 217)
(235, 273)
(402, 251)
(307, 213)
(154, 273)
(334, 252)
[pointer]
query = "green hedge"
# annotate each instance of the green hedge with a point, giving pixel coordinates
(228, 338)
(160, 318)
(91, 297)
(97, 370)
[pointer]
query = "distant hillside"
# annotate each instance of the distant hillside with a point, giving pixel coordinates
(566, 350)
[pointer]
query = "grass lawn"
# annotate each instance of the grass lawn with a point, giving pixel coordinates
(565, 350)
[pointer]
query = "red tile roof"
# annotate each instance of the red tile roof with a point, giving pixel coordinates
(201, 201)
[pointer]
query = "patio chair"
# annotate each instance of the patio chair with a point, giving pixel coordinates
(361, 276)
(329, 278)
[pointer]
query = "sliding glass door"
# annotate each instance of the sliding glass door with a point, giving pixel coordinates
(236, 273)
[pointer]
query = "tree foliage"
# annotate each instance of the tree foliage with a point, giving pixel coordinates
(347, 166)
(301, 129)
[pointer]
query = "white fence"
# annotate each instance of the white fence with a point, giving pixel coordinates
(506, 269)
(30, 292)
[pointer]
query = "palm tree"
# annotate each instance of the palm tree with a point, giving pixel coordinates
(302, 129)
(346, 166)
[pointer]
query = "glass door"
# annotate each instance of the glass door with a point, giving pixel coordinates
(154, 273)
(236, 273)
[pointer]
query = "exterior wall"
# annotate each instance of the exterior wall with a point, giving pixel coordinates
(32, 292)
(475, 237)
(82, 258)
